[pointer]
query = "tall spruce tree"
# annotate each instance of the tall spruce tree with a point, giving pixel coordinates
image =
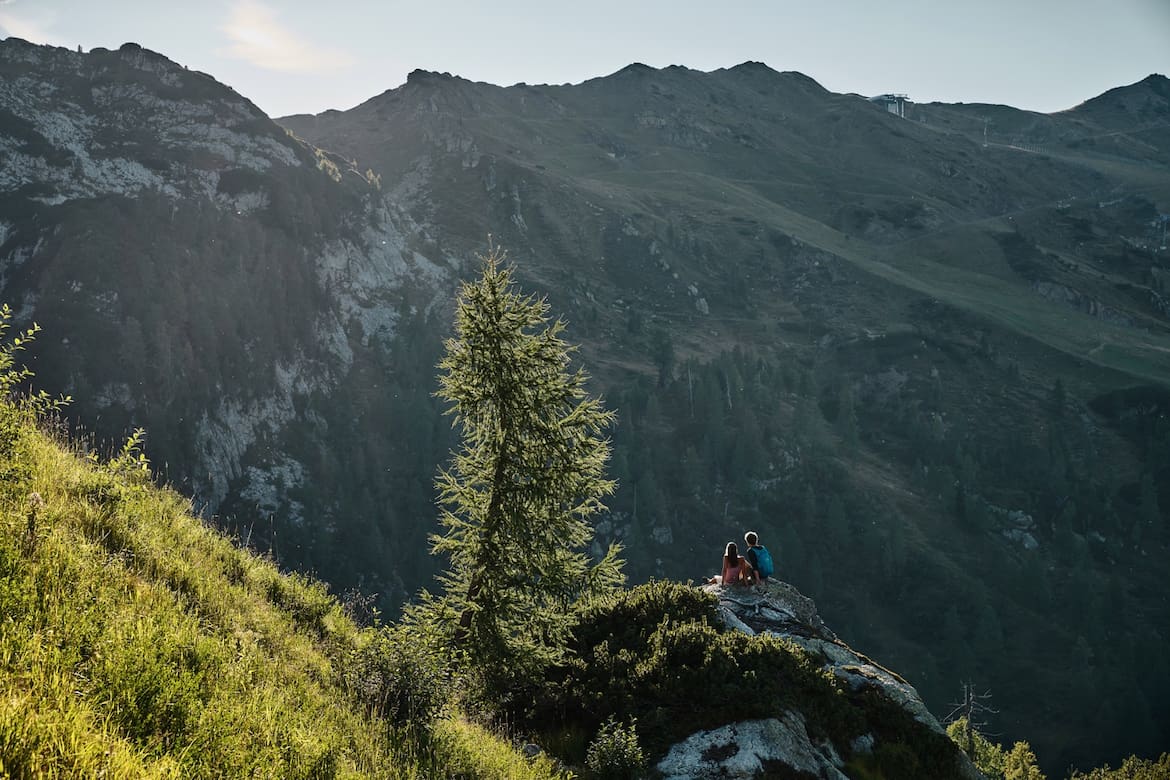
(518, 494)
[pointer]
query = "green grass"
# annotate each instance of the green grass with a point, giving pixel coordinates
(995, 296)
(470, 750)
(135, 642)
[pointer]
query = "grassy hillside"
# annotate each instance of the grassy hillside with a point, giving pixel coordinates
(136, 642)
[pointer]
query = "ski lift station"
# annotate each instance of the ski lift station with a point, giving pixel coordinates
(894, 102)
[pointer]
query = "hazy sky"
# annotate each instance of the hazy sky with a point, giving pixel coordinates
(298, 56)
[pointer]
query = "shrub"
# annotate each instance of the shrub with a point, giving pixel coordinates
(615, 752)
(631, 616)
(1018, 763)
(17, 414)
(650, 653)
(1133, 768)
(402, 677)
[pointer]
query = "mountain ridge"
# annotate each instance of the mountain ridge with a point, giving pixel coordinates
(1156, 81)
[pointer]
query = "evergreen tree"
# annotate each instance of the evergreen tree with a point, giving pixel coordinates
(1019, 763)
(662, 350)
(518, 494)
(1149, 511)
(954, 639)
(1056, 399)
(846, 421)
(988, 633)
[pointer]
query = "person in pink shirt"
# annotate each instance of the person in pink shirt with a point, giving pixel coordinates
(736, 569)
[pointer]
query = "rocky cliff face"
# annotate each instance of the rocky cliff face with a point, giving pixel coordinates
(128, 123)
(782, 746)
(198, 270)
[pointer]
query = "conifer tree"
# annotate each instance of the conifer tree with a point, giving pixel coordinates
(519, 492)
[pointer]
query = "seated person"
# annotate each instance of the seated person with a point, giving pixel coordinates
(758, 556)
(736, 569)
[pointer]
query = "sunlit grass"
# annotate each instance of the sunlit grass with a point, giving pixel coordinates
(135, 642)
(468, 749)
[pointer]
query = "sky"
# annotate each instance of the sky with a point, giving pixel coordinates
(302, 56)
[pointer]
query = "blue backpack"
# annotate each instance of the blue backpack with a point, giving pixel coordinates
(763, 561)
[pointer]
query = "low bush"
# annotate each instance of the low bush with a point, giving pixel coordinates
(1132, 768)
(658, 654)
(628, 618)
(401, 677)
(615, 753)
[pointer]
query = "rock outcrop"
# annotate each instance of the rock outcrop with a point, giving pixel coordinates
(205, 275)
(750, 748)
(783, 745)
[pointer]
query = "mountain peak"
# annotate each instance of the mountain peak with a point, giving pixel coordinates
(636, 69)
(1156, 83)
(1143, 101)
(763, 72)
(420, 76)
(753, 66)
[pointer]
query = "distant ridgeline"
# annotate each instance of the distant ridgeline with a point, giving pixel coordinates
(929, 366)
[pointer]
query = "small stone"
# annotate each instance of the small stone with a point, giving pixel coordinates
(862, 744)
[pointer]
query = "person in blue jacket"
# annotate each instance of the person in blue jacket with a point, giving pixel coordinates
(759, 558)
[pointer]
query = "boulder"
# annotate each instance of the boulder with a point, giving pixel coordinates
(749, 749)
(781, 610)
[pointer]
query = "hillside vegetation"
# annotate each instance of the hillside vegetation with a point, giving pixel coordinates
(139, 643)
(136, 642)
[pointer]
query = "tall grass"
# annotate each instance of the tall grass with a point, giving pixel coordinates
(468, 750)
(135, 642)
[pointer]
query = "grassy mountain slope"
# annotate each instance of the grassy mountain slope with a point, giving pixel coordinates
(682, 156)
(136, 642)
